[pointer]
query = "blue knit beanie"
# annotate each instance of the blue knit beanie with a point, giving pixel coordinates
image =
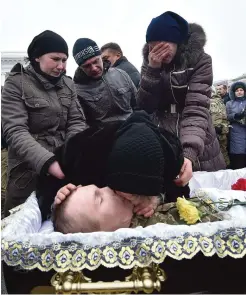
(169, 27)
(85, 49)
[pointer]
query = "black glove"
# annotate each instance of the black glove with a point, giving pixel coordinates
(239, 116)
(218, 129)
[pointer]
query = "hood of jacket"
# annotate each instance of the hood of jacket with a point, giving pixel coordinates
(232, 89)
(81, 78)
(189, 53)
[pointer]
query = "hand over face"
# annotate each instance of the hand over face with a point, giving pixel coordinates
(157, 54)
(161, 53)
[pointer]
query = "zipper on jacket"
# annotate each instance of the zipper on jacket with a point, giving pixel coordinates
(170, 80)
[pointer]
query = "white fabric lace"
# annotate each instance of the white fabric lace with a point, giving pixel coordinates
(25, 225)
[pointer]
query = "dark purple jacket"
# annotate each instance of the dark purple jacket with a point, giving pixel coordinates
(178, 96)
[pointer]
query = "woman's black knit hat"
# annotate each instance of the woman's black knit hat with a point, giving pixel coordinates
(46, 42)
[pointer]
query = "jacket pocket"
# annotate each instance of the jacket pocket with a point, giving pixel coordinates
(65, 101)
(37, 113)
(124, 97)
(94, 98)
(21, 175)
(95, 106)
(36, 103)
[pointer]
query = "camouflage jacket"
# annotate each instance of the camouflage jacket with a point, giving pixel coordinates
(218, 113)
(168, 214)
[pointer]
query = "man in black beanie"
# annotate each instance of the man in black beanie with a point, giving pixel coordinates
(105, 94)
(135, 161)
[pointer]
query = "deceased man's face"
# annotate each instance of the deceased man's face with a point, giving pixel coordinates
(90, 208)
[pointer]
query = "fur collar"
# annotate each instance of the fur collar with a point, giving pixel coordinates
(188, 54)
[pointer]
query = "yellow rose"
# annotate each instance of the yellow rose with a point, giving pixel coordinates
(187, 211)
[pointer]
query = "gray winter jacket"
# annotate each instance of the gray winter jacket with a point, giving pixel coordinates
(111, 98)
(123, 64)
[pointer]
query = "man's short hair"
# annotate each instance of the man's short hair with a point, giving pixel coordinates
(112, 46)
(224, 86)
(68, 223)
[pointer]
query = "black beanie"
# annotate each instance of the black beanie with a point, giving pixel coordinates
(169, 27)
(136, 162)
(85, 49)
(46, 42)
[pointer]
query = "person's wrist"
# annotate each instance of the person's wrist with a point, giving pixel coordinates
(154, 65)
(45, 169)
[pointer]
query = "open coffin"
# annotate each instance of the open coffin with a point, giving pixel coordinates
(30, 244)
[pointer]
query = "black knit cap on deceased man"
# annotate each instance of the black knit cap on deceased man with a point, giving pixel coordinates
(140, 156)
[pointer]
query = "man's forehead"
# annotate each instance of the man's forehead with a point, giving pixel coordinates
(90, 60)
(84, 193)
(105, 51)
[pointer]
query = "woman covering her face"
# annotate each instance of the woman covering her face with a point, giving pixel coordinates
(39, 112)
(175, 87)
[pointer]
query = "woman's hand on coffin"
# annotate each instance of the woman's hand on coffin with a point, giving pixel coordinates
(64, 192)
(147, 206)
(56, 171)
(185, 173)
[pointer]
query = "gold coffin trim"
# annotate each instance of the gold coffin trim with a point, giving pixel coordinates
(145, 280)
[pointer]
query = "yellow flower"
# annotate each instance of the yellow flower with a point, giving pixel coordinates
(206, 244)
(235, 244)
(158, 249)
(63, 258)
(126, 255)
(143, 253)
(110, 255)
(78, 258)
(47, 258)
(187, 211)
(94, 256)
(174, 247)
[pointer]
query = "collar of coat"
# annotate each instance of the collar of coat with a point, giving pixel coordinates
(119, 61)
(18, 68)
(81, 78)
(189, 53)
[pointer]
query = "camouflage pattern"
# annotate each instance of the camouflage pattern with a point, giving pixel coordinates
(219, 117)
(168, 214)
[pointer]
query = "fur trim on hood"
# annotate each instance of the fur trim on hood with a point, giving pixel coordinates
(188, 54)
(232, 89)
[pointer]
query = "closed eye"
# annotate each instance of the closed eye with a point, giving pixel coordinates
(98, 197)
